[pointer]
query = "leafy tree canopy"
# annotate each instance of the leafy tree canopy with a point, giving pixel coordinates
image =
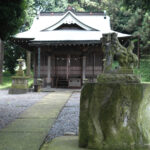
(15, 16)
(12, 16)
(132, 17)
(143, 4)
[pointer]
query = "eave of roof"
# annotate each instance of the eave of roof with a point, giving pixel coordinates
(60, 43)
(66, 35)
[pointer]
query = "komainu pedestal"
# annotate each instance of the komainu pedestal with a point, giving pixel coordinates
(111, 113)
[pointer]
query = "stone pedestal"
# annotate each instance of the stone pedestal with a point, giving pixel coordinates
(19, 85)
(38, 85)
(20, 81)
(110, 114)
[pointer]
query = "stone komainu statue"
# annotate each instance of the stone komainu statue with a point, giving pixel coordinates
(113, 111)
(112, 48)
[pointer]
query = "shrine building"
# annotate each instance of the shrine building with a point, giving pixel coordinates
(66, 46)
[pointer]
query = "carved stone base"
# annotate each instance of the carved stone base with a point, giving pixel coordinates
(110, 114)
(117, 78)
(19, 85)
(17, 91)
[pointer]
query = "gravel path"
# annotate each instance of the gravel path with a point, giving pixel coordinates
(68, 119)
(12, 105)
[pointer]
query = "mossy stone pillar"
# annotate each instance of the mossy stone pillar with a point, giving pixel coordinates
(110, 112)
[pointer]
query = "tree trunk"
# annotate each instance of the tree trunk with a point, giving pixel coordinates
(1, 59)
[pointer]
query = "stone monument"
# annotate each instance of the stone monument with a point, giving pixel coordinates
(19, 81)
(111, 110)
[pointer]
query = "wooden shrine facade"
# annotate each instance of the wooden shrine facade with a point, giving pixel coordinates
(67, 65)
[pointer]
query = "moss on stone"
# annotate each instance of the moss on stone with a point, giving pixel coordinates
(117, 78)
(19, 86)
(110, 114)
(84, 104)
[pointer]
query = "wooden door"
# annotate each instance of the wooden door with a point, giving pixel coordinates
(61, 66)
(75, 67)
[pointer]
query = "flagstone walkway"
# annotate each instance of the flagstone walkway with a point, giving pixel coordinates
(28, 131)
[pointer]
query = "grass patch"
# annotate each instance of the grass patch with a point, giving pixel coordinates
(30, 82)
(144, 70)
(7, 81)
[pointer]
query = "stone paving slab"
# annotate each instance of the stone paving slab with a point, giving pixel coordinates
(29, 130)
(21, 140)
(29, 125)
(40, 113)
(63, 143)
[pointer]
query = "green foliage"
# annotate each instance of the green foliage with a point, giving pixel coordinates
(130, 17)
(12, 16)
(30, 13)
(12, 53)
(6, 80)
(144, 70)
(61, 5)
(50, 5)
(143, 4)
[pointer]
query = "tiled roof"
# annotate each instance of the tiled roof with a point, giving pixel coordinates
(44, 27)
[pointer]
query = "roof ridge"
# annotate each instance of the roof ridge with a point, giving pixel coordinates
(76, 13)
(79, 22)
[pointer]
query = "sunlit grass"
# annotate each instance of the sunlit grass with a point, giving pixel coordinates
(144, 70)
(7, 81)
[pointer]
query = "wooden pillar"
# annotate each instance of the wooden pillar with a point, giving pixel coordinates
(53, 73)
(28, 63)
(34, 66)
(1, 59)
(93, 65)
(39, 62)
(83, 68)
(68, 67)
(49, 71)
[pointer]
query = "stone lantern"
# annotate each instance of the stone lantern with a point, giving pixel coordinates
(19, 81)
